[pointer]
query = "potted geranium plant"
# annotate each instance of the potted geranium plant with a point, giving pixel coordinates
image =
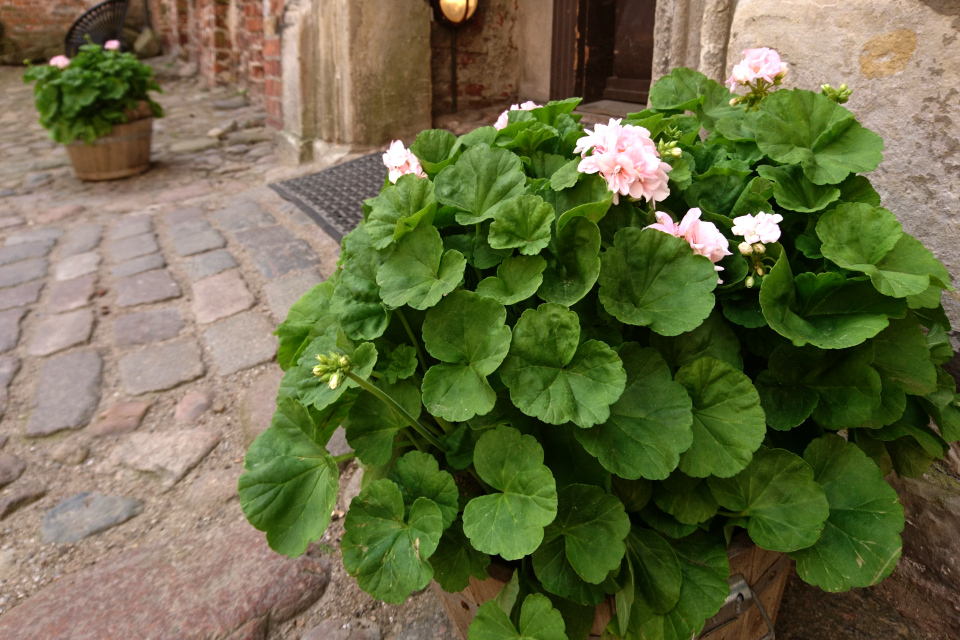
(594, 357)
(98, 105)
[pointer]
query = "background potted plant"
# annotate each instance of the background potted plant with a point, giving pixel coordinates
(98, 105)
(582, 364)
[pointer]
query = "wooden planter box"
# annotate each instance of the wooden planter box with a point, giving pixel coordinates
(765, 571)
(124, 152)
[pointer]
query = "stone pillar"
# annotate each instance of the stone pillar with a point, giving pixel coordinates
(676, 34)
(534, 24)
(297, 52)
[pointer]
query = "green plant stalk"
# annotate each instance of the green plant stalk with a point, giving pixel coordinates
(413, 441)
(393, 404)
(344, 457)
(413, 338)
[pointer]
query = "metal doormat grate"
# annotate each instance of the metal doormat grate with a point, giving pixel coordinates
(332, 197)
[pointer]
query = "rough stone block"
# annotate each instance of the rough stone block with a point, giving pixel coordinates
(9, 365)
(86, 514)
(19, 498)
(133, 247)
(241, 342)
(69, 453)
(189, 192)
(18, 252)
(34, 235)
(258, 404)
(11, 468)
(138, 265)
(193, 405)
(278, 260)
(243, 216)
(62, 331)
(80, 240)
(143, 288)
(62, 212)
(170, 454)
(213, 488)
(193, 237)
(20, 272)
(208, 264)
(161, 367)
(283, 292)
(72, 294)
(132, 226)
(182, 215)
(10, 328)
(21, 295)
(220, 296)
(146, 326)
(67, 394)
(122, 417)
(76, 266)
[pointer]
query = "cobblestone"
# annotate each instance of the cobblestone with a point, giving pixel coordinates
(143, 288)
(276, 251)
(20, 272)
(86, 514)
(122, 417)
(145, 327)
(18, 252)
(208, 264)
(77, 265)
(18, 296)
(182, 215)
(129, 227)
(10, 328)
(9, 366)
(67, 393)
(62, 331)
(161, 367)
(72, 294)
(34, 235)
(196, 236)
(220, 296)
(138, 265)
(241, 342)
(133, 247)
(283, 292)
(170, 454)
(81, 240)
(242, 216)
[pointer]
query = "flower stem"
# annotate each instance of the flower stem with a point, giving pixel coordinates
(446, 426)
(403, 413)
(413, 339)
(344, 457)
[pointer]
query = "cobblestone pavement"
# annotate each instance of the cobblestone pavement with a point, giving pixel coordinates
(136, 365)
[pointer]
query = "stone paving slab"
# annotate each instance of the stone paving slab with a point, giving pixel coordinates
(81, 240)
(131, 226)
(67, 393)
(85, 514)
(220, 296)
(20, 272)
(138, 265)
(182, 215)
(242, 216)
(10, 328)
(72, 294)
(146, 287)
(196, 236)
(170, 454)
(9, 366)
(133, 247)
(283, 292)
(34, 235)
(18, 252)
(273, 261)
(188, 192)
(191, 588)
(161, 367)
(241, 342)
(145, 327)
(62, 331)
(122, 417)
(77, 265)
(20, 295)
(208, 264)
(20, 497)
(11, 468)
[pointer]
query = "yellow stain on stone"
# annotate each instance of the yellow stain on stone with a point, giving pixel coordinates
(888, 53)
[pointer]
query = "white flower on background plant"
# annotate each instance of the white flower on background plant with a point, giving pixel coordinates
(502, 121)
(112, 45)
(764, 227)
(703, 237)
(627, 158)
(60, 62)
(401, 161)
(762, 63)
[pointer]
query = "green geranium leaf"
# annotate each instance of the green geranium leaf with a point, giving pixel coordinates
(680, 91)
(418, 475)
(649, 425)
(357, 300)
(518, 278)
(793, 191)
(728, 423)
(900, 353)
(538, 621)
(522, 223)
(318, 394)
(870, 239)
(455, 560)
(545, 165)
(416, 274)
(942, 406)
(826, 309)
(588, 198)
(804, 127)
(551, 378)
(386, 552)
(577, 253)
(713, 338)
(786, 402)
(860, 543)
(289, 486)
(687, 499)
(938, 343)
(744, 311)
(399, 209)
(665, 523)
(859, 189)
(634, 494)
(479, 182)
(372, 425)
(466, 332)
(655, 569)
(401, 363)
(566, 176)
(302, 320)
(510, 523)
(435, 149)
(777, 492)
(650, 278)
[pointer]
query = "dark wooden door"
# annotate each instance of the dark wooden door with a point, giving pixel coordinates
(632, 51)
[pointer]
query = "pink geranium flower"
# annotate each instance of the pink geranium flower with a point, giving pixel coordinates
(502, 121)
(112, 45)
(401, 161)
(757, 63)
(60, 62)
(764, 227)
(703, 237)
(627, 158)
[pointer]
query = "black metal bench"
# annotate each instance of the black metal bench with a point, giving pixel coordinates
(101, 22)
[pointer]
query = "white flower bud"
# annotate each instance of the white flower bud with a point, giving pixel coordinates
(335, 380)
(749, 282)
(759, 248)
(676, 152)
(344, 362)
(733, 102)
(745, 248)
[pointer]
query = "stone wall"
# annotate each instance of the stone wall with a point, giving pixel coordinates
(34, 29)
(900, 57)
(535, 39)
(488, 61)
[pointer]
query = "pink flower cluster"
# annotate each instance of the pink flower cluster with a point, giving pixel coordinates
(502, 121)
(60, 62)
(703, 237)
(757, 63)
(760, 228)
(627, 158)
(112, 45)
(401, 161)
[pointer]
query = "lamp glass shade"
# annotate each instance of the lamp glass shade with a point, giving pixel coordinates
(458, 11)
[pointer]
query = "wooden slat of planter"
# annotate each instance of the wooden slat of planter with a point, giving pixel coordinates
(125, 152)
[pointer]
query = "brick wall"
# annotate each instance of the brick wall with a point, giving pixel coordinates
(35, 28)
(272, 83)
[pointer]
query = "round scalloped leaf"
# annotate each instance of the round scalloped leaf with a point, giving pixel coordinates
(418, 475)
(518, 278)
(687, 499)
(588, 198)
(900, 353)
(786, 403)
(793, 191)
(455, 560)
(728, 422)
(713, 338)
(480, 181)
(386, 552)
(803, 127)
(399, 209)
(435, 149)
(860, 543)
(785, 507)
(681, 90)
(522, 223)
(650, 278)
(538, 621)
(655, 570)
(649, 425)
(419, 272)
(311, 313)
(466, 332)
(318, 394)
(551, 378)
(510, 522)
(289, 487)
(372, 426)
(362, 315)
(577, 253)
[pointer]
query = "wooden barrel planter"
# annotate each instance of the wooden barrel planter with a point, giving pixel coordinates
(757, 577)
(123, 152)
